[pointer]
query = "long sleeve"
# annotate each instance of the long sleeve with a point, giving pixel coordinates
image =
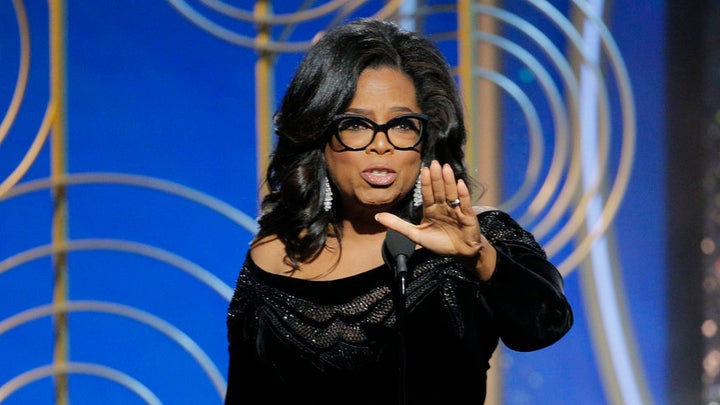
(525, 294)
(244, 383)
(240, 385)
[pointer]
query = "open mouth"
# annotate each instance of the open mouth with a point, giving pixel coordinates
(379, 176)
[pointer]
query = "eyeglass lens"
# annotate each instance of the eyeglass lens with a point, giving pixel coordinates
(357, 132)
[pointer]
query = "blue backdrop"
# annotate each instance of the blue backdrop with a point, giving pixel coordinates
(161, 153)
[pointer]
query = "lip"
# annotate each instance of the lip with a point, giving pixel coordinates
(379, 175)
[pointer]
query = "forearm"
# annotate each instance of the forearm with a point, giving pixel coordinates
(525, 293)
(483, 262)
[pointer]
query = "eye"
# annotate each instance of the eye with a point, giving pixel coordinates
(406, 124)
(353, 124)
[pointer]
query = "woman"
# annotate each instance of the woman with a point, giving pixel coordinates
(371, 131)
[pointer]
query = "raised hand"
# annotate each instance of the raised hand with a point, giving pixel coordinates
(449, 225)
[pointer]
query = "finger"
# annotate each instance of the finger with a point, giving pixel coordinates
(396, 223)
(450, 186)
(437, 183)
(464, 196)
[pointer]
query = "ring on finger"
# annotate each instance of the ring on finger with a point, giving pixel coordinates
(454, 203)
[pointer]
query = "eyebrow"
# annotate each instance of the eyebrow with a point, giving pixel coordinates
(366, 112)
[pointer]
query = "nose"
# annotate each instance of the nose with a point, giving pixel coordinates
(380, 144)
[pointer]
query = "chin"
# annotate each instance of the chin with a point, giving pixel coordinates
(380, 205)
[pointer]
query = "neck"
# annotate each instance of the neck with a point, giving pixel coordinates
(362, 226)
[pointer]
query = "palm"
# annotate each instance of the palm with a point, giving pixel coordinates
(445, 229)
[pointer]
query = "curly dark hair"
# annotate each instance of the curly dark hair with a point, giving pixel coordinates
(322, 87)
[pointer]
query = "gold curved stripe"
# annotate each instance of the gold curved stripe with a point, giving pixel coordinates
(572, 182)
(536, 144)
(578, 216)
(32, 153)
(141, 249)
(627, 152)
(28, 377)
(388, 9)
(572, 188)
(559, 110)
(165, 186)
(611, 206)
(233, 37)
(157, 323)
(23, 71)
(265, 46)
(277, 19)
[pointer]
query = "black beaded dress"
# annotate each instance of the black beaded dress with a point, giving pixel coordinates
(294, 341)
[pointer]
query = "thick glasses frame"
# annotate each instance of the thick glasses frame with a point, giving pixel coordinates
(423, 118)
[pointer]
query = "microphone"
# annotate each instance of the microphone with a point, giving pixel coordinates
(397, 249)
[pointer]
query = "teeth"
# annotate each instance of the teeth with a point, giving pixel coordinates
(379, 172)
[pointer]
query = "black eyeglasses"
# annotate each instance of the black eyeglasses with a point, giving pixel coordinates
(356, 132)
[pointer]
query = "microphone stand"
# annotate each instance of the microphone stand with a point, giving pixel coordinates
(400, 314)
(396, 251)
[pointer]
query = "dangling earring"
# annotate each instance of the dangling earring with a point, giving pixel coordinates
(417, 193)
(327, 200)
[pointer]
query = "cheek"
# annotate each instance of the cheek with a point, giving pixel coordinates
(333, 144)
(337, 163)
(413, 174)
(412, 158)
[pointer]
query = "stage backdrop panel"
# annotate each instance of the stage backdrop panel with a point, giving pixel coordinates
(131, 146)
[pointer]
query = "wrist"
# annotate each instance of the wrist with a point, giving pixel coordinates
(482, 261)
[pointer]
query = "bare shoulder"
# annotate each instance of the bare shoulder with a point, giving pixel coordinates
(268, 253)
